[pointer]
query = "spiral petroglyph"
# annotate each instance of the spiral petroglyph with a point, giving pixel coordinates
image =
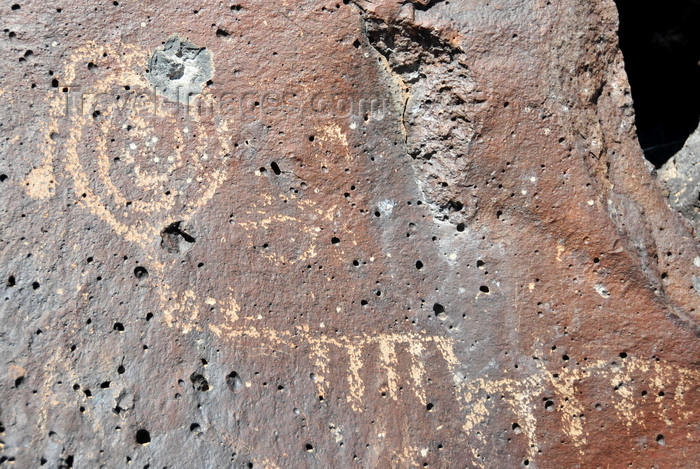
(153, 167)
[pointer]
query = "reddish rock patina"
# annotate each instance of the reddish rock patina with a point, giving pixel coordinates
(336, 234)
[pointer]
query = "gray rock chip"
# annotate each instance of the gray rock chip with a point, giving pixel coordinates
(681, 175)
(178, 69)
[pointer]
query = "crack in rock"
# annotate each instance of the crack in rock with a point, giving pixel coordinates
(441, 100)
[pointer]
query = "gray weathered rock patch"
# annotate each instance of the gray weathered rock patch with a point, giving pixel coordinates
(681, 174)
(179, 69)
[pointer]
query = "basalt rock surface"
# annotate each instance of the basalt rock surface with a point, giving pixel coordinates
(681, 176)
(336, 234)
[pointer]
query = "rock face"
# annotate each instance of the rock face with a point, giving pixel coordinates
(367, 234)
(681, 175)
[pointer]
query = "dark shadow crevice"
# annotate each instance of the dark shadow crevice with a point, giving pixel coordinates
(661, 45)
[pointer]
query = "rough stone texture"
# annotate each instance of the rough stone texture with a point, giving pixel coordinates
(407, 234)
(681, 175)
(178, 69)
